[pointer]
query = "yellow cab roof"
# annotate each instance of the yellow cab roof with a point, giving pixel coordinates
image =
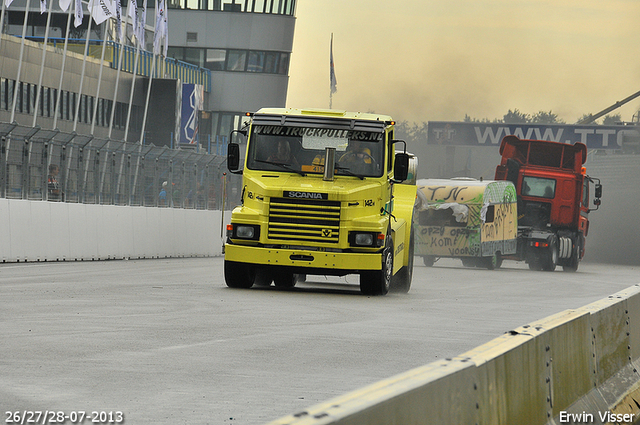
(334, 113)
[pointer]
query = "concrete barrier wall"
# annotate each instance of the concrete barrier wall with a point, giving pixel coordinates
(57, 231)
(581, 362)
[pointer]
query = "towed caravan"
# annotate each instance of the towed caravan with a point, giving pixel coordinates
(465, 218)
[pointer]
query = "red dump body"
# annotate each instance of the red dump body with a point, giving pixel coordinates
(557, 171)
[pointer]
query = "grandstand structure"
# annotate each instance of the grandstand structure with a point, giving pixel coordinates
(96, 84)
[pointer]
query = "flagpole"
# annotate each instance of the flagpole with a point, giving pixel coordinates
(332, 75)
(140, 37)
(17, 83)
(95, 103)
(64, 60)
(120, 56)
(84, 66)
(44, 55)
(4, 6)
(133, 84)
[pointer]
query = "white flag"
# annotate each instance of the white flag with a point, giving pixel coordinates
(119, 21)
(142, 25)
(159, 30)
(132, 11)
(166, 32)
(78, 15)
(64, 4)
(101, 10)
(43, 6)
(333, 83)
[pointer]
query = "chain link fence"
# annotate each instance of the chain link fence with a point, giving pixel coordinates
(49, 165)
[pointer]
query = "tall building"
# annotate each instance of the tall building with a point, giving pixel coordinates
(234, 53)
(246, 44)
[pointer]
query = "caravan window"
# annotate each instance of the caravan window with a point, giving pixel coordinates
(491, 214)
(439, 217)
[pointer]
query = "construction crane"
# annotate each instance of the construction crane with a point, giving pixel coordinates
(592, 118)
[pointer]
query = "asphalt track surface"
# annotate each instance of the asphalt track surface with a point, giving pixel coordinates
(166, 342)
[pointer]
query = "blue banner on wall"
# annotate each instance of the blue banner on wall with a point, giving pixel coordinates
(451, 133)
(192, 102)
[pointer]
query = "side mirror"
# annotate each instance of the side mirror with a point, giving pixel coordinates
(401, 167)
(233, 156)
(598, 191)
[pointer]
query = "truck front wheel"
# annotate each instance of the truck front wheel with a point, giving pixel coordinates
(239, 275)
(574, 261)
(402, 279)
(550, 257)
(284, 279)
(377, 282)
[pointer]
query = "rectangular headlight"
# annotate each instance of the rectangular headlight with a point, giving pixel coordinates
(364, 239)
(245, 232)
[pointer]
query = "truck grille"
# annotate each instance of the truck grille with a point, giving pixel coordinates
(304, 220)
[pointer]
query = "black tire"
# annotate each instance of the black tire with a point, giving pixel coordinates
(239, 275)
(493, 262)
(535, 264)
(499, 260)
(377, 282)
(263, 278)
(428, 260)
(285, 279)
(401, 282)
(550, 255)
(469, 261)
(574, 260)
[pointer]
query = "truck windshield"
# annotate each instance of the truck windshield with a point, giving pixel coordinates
(302, 150)
(538, 186)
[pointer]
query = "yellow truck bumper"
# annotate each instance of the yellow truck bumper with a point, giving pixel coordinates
(302, 258)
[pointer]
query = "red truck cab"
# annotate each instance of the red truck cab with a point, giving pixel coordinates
(553, 199)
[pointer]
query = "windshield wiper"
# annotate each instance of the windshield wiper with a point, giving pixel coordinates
(283, 166)
(348, 171)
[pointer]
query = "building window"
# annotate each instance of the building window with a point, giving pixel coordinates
(271, 62)
(194, 55)
(283, 65)
(256, 62)
(176, 53)
(215, 59)
(3, 93)
(233, 60)
(236, 60)
(258, 6)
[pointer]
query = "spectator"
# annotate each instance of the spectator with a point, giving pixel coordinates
(53, 186)
(162, 196)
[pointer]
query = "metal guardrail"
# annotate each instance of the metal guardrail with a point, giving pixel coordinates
(103, 171)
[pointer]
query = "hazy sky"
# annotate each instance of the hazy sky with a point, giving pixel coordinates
(429, 60)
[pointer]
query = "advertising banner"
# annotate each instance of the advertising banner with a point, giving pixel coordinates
(491, 134)
(192, 104)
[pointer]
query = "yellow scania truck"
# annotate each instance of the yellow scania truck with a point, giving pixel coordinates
(321, 196)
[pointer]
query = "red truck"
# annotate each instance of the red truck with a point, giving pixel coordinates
(553, 200)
